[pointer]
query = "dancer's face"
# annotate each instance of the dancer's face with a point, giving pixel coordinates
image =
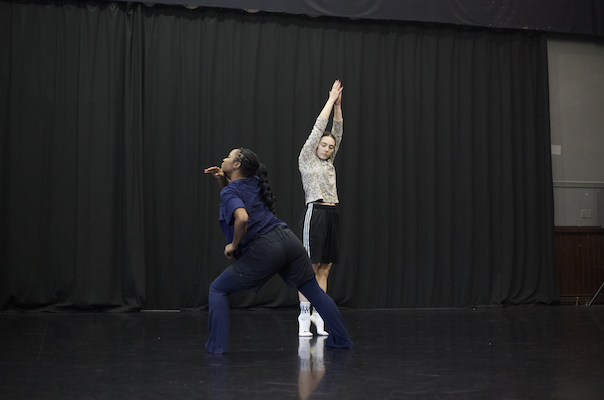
(326, 147)
(230, 163)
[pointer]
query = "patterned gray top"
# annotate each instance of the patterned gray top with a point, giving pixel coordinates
(319, 176)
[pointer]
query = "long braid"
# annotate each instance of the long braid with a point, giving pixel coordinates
(251, 166)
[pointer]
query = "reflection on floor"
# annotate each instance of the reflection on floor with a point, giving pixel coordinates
(312, 364)
(486, 353)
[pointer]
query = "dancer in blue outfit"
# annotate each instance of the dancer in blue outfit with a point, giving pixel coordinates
(262, 246)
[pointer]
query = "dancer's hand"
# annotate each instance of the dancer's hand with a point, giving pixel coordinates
(336, 91)
(334, 94)
(229, 249)
(339, 99)
(217, 172)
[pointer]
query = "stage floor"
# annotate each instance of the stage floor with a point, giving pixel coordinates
(552, 352)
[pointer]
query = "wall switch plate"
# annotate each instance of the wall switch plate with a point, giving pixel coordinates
(586, 213)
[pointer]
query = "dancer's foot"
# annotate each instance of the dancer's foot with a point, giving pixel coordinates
(316, 319)
(304, 320)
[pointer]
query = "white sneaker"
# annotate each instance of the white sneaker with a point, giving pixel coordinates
(316, 319)
(304, 325)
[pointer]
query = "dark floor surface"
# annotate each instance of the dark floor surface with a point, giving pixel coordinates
(554, 352)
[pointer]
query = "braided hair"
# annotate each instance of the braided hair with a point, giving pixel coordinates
(251, 166)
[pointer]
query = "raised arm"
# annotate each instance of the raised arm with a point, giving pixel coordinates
(310, 147)
(337, 108)
(338, 122)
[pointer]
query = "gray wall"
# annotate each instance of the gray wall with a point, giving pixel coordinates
(576, 76)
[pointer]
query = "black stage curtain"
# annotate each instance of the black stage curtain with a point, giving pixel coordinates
(110, 111)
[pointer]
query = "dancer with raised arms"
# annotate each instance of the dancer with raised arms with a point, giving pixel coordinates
(320, 220)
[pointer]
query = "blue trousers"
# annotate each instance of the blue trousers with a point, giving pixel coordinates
(219, 322)
(276, 252)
